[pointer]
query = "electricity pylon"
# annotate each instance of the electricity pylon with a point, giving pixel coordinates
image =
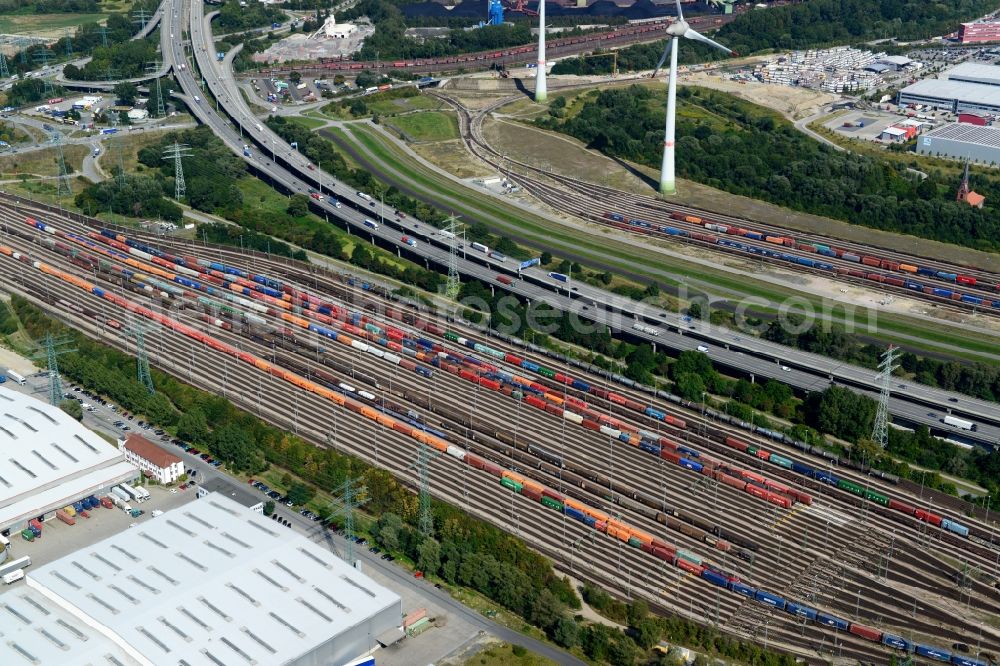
(63, 187)
(176, 152)
(69, 46)
(454, 283)
(43, 56)
(138, 331)
(4, 72)
(141, 17)
(349, 497)
(103, 30)
(50, 351)
(880, 432)
(423, 467)
(160, 110)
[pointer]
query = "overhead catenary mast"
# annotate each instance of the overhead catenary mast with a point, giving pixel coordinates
(541, 93)
(675, 30)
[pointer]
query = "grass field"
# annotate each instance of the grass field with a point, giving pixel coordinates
(41, 162)
(634, 260)
(307, 122)
(44, 24)
(383, 105)
(426, 126)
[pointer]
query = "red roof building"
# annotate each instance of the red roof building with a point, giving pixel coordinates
(156, 462)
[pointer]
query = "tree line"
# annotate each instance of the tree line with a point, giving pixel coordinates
(742, 148)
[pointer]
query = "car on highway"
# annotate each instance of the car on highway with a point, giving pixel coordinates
(702, 348)
(317, 196)
(785, 368)
(311, 167)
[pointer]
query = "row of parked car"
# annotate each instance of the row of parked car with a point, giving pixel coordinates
(278, 497)
(207, 457)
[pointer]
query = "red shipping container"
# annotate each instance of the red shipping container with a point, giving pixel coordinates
(865, 632)
(689, 566)
(736, 444)
(901, 507)
(871, 261)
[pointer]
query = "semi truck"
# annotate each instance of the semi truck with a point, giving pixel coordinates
(13, 577)
(15, 565)
(143, 493)
(15, 377)
(961, 424)
(121, 494)
(133, 494)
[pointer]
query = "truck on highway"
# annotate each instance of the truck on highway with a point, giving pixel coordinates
(371, 224)
(246, 150)
(559, 276)
(961, 424)
(15, 377)
(220, 56)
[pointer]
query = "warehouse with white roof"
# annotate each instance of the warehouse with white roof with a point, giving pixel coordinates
(49, 460)
(209, 583)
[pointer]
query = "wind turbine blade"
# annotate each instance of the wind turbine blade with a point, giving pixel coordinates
(663, 58)
(680, 14)
(698, 37)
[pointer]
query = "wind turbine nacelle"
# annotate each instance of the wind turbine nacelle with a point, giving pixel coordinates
(678, 28)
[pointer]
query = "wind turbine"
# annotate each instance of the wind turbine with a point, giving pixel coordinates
(676, 30)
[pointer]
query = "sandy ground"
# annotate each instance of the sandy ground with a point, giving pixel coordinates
(18, 364)
(791, 102)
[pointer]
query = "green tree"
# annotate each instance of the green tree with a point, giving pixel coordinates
(546, 610)
(192, 425)
(358, 108)
(268, 507)
(387, 530)
(566, 632)
(429, 557)
(294, 77)
(546, 258)
(300, 493)
(298, 205)
(73, 408)
(690, 386)
(126, 92)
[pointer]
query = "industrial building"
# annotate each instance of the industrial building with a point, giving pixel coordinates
(972, 72)
(978, 32)
(952, 96)
(153, 460)
(962, 141)
(49, 460)
(207, 583)
(237, 493)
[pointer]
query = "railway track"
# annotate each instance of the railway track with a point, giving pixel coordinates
(962, 289)
(631, 470)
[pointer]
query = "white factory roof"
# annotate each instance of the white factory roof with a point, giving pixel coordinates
(984, 136)
(36, 630)
(975, 73)
(897, 60)
(894, 131)
(47, 456)
(975, 93)
(212, 582)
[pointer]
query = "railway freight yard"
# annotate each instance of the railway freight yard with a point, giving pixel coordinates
(640, 494)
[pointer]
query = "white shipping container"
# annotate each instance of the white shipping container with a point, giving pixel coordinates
(456, 452)
(13, 577)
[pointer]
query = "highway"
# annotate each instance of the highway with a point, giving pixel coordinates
(279, 163)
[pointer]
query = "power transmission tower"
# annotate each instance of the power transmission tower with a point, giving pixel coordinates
(350, 497)
(50, 351)
(454, 284)
(141, 17)
(152, 67)
(103, 30)
(116, 145)
(43, 56)
(62, 181)
(423, 467)
(69, 46)
(22, 44)
(138, 331)
(176, 152)
(880, 433)
(4, 72)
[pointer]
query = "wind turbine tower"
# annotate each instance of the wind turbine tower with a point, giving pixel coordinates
(541, 93)
(676, 30)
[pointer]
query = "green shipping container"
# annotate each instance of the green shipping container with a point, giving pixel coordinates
(851, 487)
(448, 335)
(28, 535)
(513, 485)
(551, 503)
(781, 461)
(545, 372)
(752, 450)
(684, 555)
(877, 497)
(635, 543)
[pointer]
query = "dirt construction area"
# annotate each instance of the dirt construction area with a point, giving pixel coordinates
(789, 101)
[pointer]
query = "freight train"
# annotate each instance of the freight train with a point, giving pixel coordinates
(524, 52)
(573, 509)
(723, 232)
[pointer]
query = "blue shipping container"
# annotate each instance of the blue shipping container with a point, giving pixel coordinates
(714, 578)
(801, 611)
(745, 590)
(770, 599)
(831, 621)
(896, 642)
(932, 653)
